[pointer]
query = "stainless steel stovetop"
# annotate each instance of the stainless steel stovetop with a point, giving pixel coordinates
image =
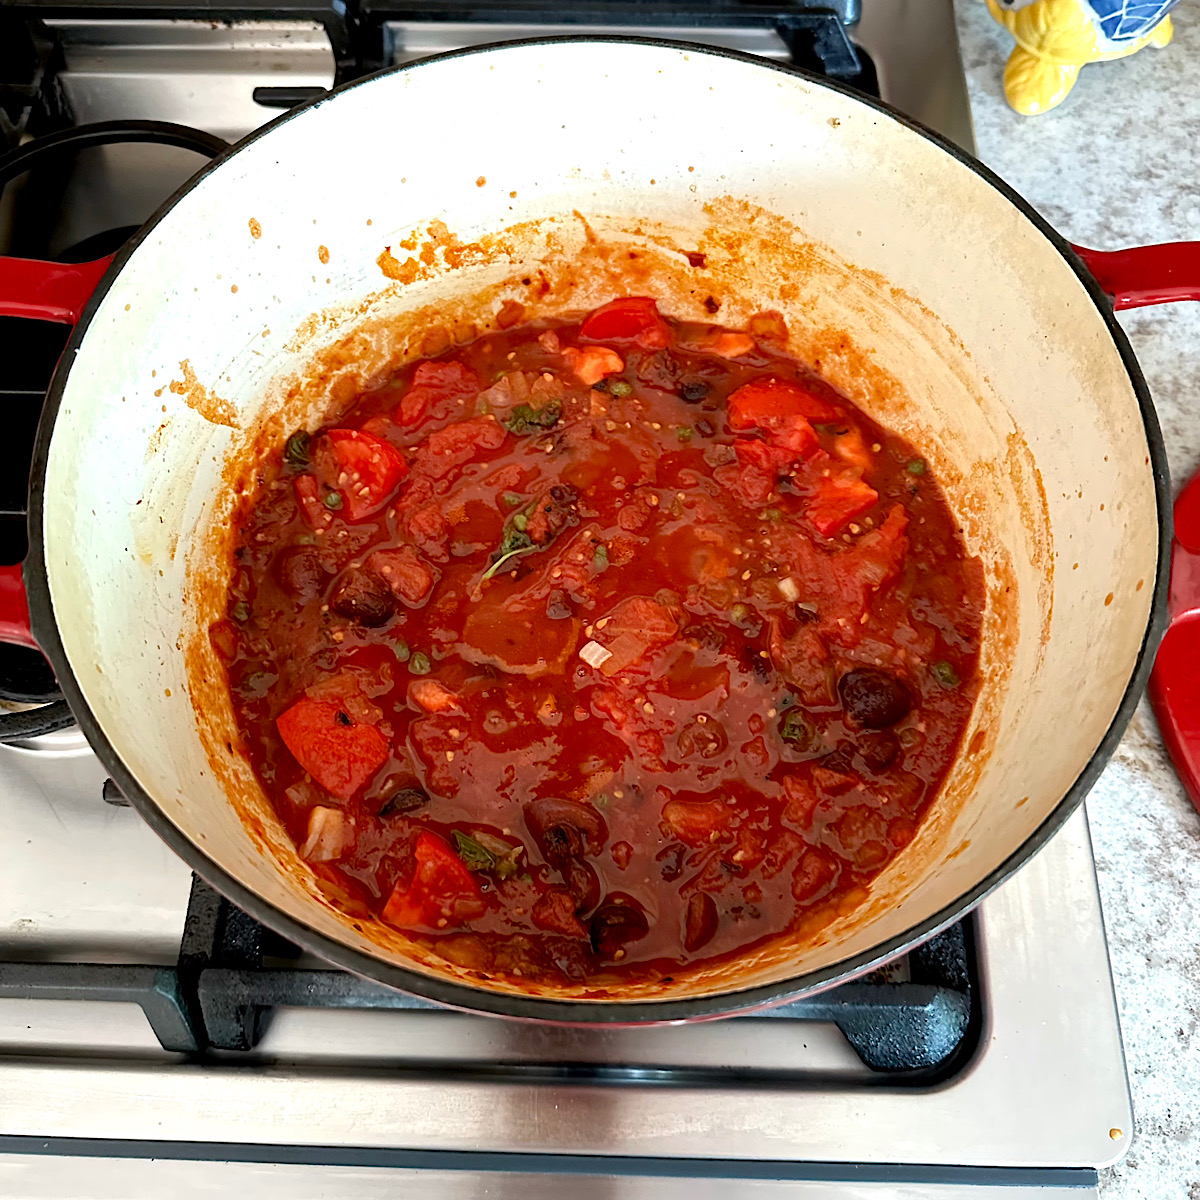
(429, 1103)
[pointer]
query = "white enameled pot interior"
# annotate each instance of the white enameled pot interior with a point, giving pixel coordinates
(560, 174)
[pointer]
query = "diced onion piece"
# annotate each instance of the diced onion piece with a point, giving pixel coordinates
(595, 655)
(789, 590)
(329, 834)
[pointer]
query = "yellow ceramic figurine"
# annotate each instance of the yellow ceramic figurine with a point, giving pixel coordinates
(1057, 37)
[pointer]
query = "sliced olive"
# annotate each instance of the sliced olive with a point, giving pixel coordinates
(873, 699)
(363, 597)
(563, 828)
(617, 922)
(300, 571)
(700, 921)
(403, 800)
(878, 749)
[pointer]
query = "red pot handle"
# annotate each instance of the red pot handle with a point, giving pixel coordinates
(47, 291)
(43, 291)
(1143, 275)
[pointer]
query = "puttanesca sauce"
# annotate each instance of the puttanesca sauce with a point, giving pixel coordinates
(593, 651)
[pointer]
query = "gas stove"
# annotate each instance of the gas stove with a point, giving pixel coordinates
(154, 1037)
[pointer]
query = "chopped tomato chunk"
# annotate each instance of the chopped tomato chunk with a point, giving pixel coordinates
(308, 496)
(555, 912)
(630, 319)
(339, 753)
(696, 821)
(447, 448)
(433, 382)
(431, 695)
(838, 500)
(366, 472)
(405, 572)
(441, 892)
(768, 403)
(730, 345)
(592, 363)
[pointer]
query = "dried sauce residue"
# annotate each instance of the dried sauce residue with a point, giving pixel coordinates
(440, 243)
(255, 228)
(196, 396)
(323, 254)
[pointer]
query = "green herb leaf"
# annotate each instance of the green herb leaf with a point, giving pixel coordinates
(684, 433)
(739, 613)
(916, 467)
(797, 730)
(419, 664)
(512, 499)
(945, 674)
(240, 612)
(600, 558)
(772, 514)
(509, 864)
(475, 857)
(515, 541)
(526, 419)
(401, 651)
(620, 387)
(295, 449)
(333, 501)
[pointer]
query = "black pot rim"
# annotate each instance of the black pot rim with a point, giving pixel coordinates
(582, 1012)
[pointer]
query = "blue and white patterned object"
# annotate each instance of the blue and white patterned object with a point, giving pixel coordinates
(1120, 22)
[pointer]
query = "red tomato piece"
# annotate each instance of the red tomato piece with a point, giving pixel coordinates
(764, 456)
(441, 889)
(367, 471)
(432, 382)
(770, 403)
(630, 319)
(838, 500)
(308, 496)
(408, 575)
(695, 821)
(555, 912)
(339, 753)
(592, 363)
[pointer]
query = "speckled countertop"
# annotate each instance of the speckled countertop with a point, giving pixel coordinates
(1118, 164)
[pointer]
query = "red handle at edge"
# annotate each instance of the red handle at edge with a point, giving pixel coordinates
(1143, 275)
(43, 291)
(47, 291)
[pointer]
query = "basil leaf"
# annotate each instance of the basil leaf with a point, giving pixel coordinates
(526, 419)
(295, 449)
(474, 856)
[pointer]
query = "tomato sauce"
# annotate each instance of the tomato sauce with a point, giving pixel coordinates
(594, 651)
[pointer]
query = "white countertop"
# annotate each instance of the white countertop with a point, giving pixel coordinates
(1117, 165)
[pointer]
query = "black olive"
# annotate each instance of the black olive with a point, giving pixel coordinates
(583, 884)
(873, 699)
(700, 921)
(363, 597)
(618, 921)
(671, 861)
(557, 607)
(560, 844)
(300, 571)
(878, 749)
(693, 390)
(404, 800)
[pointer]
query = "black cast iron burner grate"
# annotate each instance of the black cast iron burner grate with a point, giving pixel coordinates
(915, 1020)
